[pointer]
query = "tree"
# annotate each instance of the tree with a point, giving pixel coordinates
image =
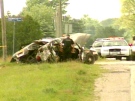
(44, 13)
(44, 17)
(83, 25)
(89, 24)
(78, 26)
(49, 3)
(108, 22)
(103, 32)
(25, 32)
(128, 15)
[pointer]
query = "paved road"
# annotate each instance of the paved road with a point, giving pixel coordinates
(119, 84)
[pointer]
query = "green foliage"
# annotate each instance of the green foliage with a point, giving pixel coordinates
(77, 26)
(25, 32)
(83, 25)
(67, 81)
(127, 20)
(103, 32)
(89, 24)
(44, 16)
(50, 3)
(44, 13)
(108, 22)
(128, 37)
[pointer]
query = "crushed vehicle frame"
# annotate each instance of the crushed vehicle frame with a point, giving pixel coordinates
(51, 51)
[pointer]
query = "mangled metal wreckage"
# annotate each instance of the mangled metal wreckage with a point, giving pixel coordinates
(51, 50)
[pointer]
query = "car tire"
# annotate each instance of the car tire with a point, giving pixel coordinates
(89, 59)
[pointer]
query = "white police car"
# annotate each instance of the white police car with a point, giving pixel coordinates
(116, 47)
(97, 45)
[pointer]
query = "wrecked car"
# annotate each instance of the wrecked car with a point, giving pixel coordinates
(28, 53)
(51, 50)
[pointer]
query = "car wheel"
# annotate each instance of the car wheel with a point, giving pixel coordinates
(89, 59)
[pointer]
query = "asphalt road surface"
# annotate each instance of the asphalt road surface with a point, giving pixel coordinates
(119, 83)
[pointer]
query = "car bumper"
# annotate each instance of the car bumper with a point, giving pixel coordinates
(115, 54)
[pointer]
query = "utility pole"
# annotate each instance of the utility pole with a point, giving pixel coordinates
(59, 20)
(4, 43)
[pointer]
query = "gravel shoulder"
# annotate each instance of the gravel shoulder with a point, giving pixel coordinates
(117, 84)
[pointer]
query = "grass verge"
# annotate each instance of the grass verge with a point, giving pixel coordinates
(66, 81)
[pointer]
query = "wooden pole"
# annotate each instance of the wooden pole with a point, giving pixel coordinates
(60, 18)
(3, 31)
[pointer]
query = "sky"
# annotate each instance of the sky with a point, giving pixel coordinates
(96, 9)
(14, 6)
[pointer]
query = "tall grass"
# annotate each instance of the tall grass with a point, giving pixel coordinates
(66, 81)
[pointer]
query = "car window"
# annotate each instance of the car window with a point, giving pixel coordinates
(98, 44)
(115, 43)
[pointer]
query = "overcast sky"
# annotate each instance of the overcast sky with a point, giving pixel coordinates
(97, 9)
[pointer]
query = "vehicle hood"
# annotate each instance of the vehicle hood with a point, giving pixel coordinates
(80, 38)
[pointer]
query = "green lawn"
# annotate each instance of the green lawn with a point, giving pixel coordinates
(67, 81)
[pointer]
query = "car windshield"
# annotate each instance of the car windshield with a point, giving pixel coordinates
(115, 43)
(98, 44)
